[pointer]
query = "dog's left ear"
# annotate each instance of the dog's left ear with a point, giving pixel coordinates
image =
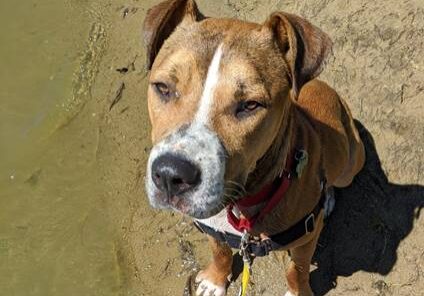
(304, 46)
(161, 20)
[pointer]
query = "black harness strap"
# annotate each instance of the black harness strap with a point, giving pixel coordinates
(260, 248)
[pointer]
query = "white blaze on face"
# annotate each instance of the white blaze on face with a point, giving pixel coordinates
(212, 78)
(199, 144)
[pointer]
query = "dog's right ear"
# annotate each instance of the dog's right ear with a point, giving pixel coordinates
(304, 46)
(161, 20)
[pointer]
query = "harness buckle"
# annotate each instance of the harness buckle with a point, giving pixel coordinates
(310, 223)
(247, 262)
(244, 244)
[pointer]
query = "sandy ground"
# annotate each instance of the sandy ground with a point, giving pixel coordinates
(374, 242)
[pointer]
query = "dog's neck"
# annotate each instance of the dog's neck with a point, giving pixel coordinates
(269, 167)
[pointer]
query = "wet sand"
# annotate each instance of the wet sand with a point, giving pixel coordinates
(55, 234)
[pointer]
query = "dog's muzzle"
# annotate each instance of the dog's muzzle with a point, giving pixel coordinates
(186, 171)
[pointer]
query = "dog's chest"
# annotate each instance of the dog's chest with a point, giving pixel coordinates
(220, 223)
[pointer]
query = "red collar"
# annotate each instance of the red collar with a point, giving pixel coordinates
(272, 194)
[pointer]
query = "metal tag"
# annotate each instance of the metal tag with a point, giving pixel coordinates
(302, 160)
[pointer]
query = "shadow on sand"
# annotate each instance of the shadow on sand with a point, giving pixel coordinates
(371, 218)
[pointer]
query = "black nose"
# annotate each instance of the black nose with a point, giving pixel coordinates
(173, 175)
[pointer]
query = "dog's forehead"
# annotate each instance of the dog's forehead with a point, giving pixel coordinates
(190, 49)
(212, 32)
(201, 39)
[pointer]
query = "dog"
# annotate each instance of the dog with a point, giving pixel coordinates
(245, 139)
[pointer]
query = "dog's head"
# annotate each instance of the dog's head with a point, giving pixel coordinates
(220, 92)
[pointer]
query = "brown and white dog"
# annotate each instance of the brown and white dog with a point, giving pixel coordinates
(228, 101)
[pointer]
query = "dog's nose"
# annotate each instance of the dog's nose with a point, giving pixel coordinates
(174, 175)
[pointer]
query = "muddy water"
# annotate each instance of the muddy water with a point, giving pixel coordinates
(55, 238)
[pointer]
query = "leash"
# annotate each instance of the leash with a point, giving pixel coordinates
(245, 225)
(247, 263)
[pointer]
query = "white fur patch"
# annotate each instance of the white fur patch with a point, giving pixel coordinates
(212, 78)
(220, 223)
(207, 288)
(288, 293)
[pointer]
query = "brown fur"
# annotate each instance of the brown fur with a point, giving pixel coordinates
(275, 63)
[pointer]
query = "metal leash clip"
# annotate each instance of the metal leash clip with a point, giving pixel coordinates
(247, 263)
(244, 244)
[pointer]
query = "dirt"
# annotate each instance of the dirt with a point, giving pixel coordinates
(373, 244)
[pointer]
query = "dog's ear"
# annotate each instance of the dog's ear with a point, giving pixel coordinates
(160, 22)
(304, 46)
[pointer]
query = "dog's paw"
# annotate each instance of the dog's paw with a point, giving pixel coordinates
(207, 288)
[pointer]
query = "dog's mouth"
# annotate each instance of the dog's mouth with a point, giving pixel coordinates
(185, 173)
(185, 206)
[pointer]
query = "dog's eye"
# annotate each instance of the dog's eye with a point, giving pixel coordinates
(250, 105)
(163, 90)
(246, 108)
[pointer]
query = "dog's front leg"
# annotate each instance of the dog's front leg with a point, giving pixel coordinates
(298, 271)
(213, 280)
